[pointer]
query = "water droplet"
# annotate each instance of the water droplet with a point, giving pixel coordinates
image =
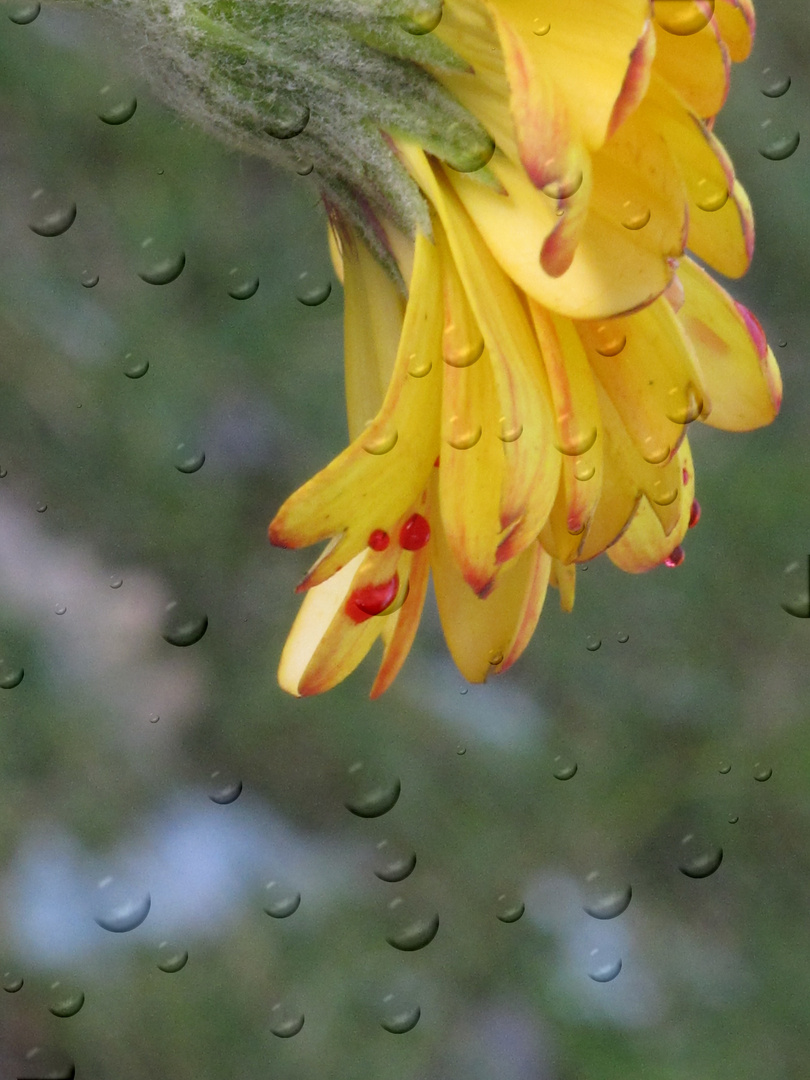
(577, 443)
(41, 507)
(796, 589)
(164, 270)
(183, 626)
(134, 368)
(584, 470)
(683, 17)
(394, 862)
(561, 188)
(609, 339)
(280, 901)
(699, 859)
(25, 13)
(188, 460)
(154, 718)
(12, 982)
(171, 958)
(733, 819)
(675, 557)
(116, 582)
(634, 216)
(371, 799)
(116, 108)
(564, 768)
(412, 929)
(60, 609)
(774, 85)
(120, 907)
(603, 969)
(10, 675)
(461, 750)
(461, 437)
(724, 768)
(462, 355)
(65, 1000)
(593, 643)
(423, 18)
(762, 772)
(225, 789)
(45, 1063)
(52, 215)
(509, 908)
(710, 195)
(285, 1023)
(399, 1017)
(623, 638)
(89, 280)
(312, 295)
(780, 148)
(242, 287)
(3, 473)
(540, 27)
(381, 442)
(509, 431)
(419, 365)
(684, 404)
(304, 168)
(291, 120)
(606, 899)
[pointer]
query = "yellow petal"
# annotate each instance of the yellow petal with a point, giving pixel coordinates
(564, 577)
(645, 545)
(399, 628)
(736, 22)
(739, 370)
(653, 380)
(371, 484)
(697, 66)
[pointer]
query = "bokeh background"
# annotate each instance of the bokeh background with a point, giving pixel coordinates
(138, 775)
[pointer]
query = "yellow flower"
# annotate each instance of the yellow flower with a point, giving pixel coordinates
(525, 407)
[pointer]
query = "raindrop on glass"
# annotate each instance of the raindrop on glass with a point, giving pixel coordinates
(796, 589)
(393, 863)
(724, 768)
(780, 148)
(52, 217)
(593, 643)
(311, 295)
(188, 460)
(411, 930)
(623, 638)
(285, 1023)
(733, 819)
(773, 84)
(163, 270)
(603, 969)
(606, 899)
(89, 280)
(134, 368)
(45, 1063)
(60, 609)
(23, 14)
(224, 789)
(41, 507)
(242, 286)
(65, 1001)
(280, 901)
(762, 772)
(10, 675)
(116, 108)
(564, 769)
(399, 1017)
(118, 907)
(372, 800)
(509, 909)
(171, 958)
(116, 582)
(154, 718)
(699, 859)
(12, 982)
(183, 626)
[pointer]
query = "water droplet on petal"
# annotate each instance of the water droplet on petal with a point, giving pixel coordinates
(381, 442)
(684, 404)
(394, 862)
(606, 899)
(120, 907)
(399, 1017)
(609, 339)
(412, 929)
(89, 280)
(675, 557)
(564, 768)
(12, 982)
(710, 195)
(509, 431)
(540, 27)
(762, 772)
(23, 14)
(584, 470)
(509, 908)
(52, 216)
(464, 355)
(774, 85)
(634, 215)
(285, 1023)
(311, 295)
(280, 901)
(135, 368)
(603, 969)
(116, 108)
(65, 1000)
(419, 365)
(225, 789)
(561, 188)
(183, 626)
(461, 437)
(171, 958)
(699, 859)
(164, 270)
(780, 148)
(11, 675)
(188, 460)
(683, 17)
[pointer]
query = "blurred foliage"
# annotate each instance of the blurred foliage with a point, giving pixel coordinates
(715, 971)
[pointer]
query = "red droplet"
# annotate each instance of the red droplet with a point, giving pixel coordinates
(754, 328)
(675, 557)
(694, 514)
(379, 540)
(415, 533)
(370, 600)
(685, 475)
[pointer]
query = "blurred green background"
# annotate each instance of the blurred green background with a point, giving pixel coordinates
(689, 720)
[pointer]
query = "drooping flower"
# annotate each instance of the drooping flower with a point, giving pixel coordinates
(508, 421)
